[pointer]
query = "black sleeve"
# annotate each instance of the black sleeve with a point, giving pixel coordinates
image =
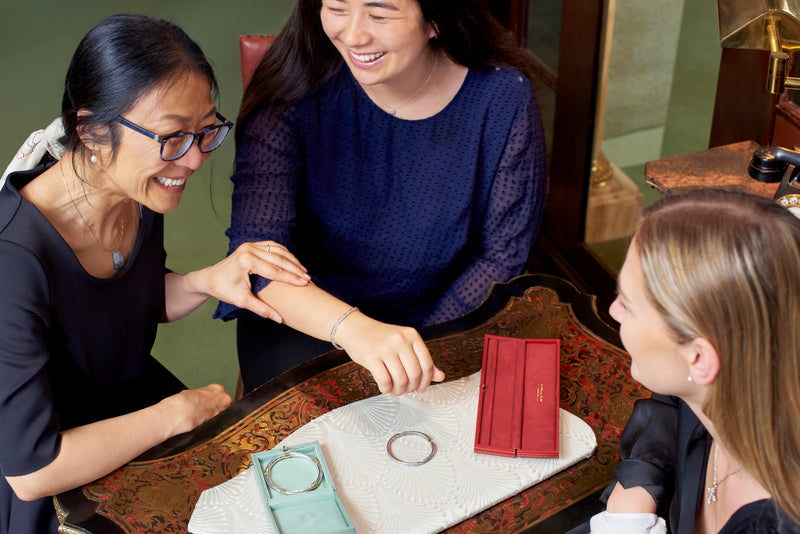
(648, 448)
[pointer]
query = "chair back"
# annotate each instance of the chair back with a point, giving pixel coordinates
(251, 50)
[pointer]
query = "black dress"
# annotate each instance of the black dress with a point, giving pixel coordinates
(75, 349)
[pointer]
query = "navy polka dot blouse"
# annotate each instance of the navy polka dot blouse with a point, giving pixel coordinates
(411, 220)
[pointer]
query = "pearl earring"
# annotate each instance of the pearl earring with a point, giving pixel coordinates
(93, 159)
(690, 378)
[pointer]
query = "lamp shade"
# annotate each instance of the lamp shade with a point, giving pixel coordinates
(743, 23)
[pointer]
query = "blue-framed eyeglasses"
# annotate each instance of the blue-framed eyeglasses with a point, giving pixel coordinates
(175, 145)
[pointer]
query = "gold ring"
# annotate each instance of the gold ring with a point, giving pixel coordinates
(268, 245)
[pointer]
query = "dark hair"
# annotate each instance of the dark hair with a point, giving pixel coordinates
(115, 64)
(302, 57)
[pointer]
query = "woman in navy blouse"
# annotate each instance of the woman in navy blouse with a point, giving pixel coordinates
(396, 149)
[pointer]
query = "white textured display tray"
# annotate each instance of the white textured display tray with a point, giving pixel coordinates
(383, 496)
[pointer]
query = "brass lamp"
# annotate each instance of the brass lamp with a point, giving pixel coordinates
(772, 25)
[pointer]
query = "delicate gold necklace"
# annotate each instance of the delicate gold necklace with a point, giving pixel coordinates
(712, 489)
(393, 110)
(116, 256)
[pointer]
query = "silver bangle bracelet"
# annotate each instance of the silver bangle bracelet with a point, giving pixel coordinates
(411, 433)
(336, 325)
(286, 455)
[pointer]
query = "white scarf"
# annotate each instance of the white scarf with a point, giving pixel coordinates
(32, 150)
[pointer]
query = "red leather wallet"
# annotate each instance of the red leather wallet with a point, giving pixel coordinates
(518, 403)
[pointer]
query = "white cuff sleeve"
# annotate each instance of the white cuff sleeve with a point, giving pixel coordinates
(608, 523)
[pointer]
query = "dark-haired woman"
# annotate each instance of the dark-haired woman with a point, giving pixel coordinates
(396, 148)
(84, 283)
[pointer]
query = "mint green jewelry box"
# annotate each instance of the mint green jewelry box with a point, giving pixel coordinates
(316, 511)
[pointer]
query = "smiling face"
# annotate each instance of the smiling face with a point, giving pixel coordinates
(381, 41)
(137, 171)
(657, 360)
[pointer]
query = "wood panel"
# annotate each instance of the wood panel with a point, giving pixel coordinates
(743, 109)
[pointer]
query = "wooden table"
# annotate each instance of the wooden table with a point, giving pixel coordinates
(157, 492)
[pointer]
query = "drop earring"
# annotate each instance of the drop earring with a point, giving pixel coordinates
(93, 159)
(690, 378)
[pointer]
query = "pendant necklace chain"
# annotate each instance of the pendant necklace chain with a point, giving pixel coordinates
(712, 489)
(117, 257)
(393, 111)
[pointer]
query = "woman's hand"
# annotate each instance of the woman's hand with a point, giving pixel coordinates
(191, 407)
(396, 356)
(229, 280)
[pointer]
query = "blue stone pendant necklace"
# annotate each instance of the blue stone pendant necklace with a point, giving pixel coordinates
(117, 257)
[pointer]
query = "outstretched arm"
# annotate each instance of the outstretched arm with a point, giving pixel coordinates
(269, 164)
(396, 356)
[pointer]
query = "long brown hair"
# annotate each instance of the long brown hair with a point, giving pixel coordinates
(726, 267)
(302, 57)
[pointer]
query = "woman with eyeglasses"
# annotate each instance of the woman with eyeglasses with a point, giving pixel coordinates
(396, 149)
(84, 283)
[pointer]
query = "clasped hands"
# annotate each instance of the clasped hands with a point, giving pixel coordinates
(229, 280)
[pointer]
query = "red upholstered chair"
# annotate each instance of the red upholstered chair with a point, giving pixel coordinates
(251, 50)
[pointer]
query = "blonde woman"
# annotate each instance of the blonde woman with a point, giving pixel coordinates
(708, 306)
